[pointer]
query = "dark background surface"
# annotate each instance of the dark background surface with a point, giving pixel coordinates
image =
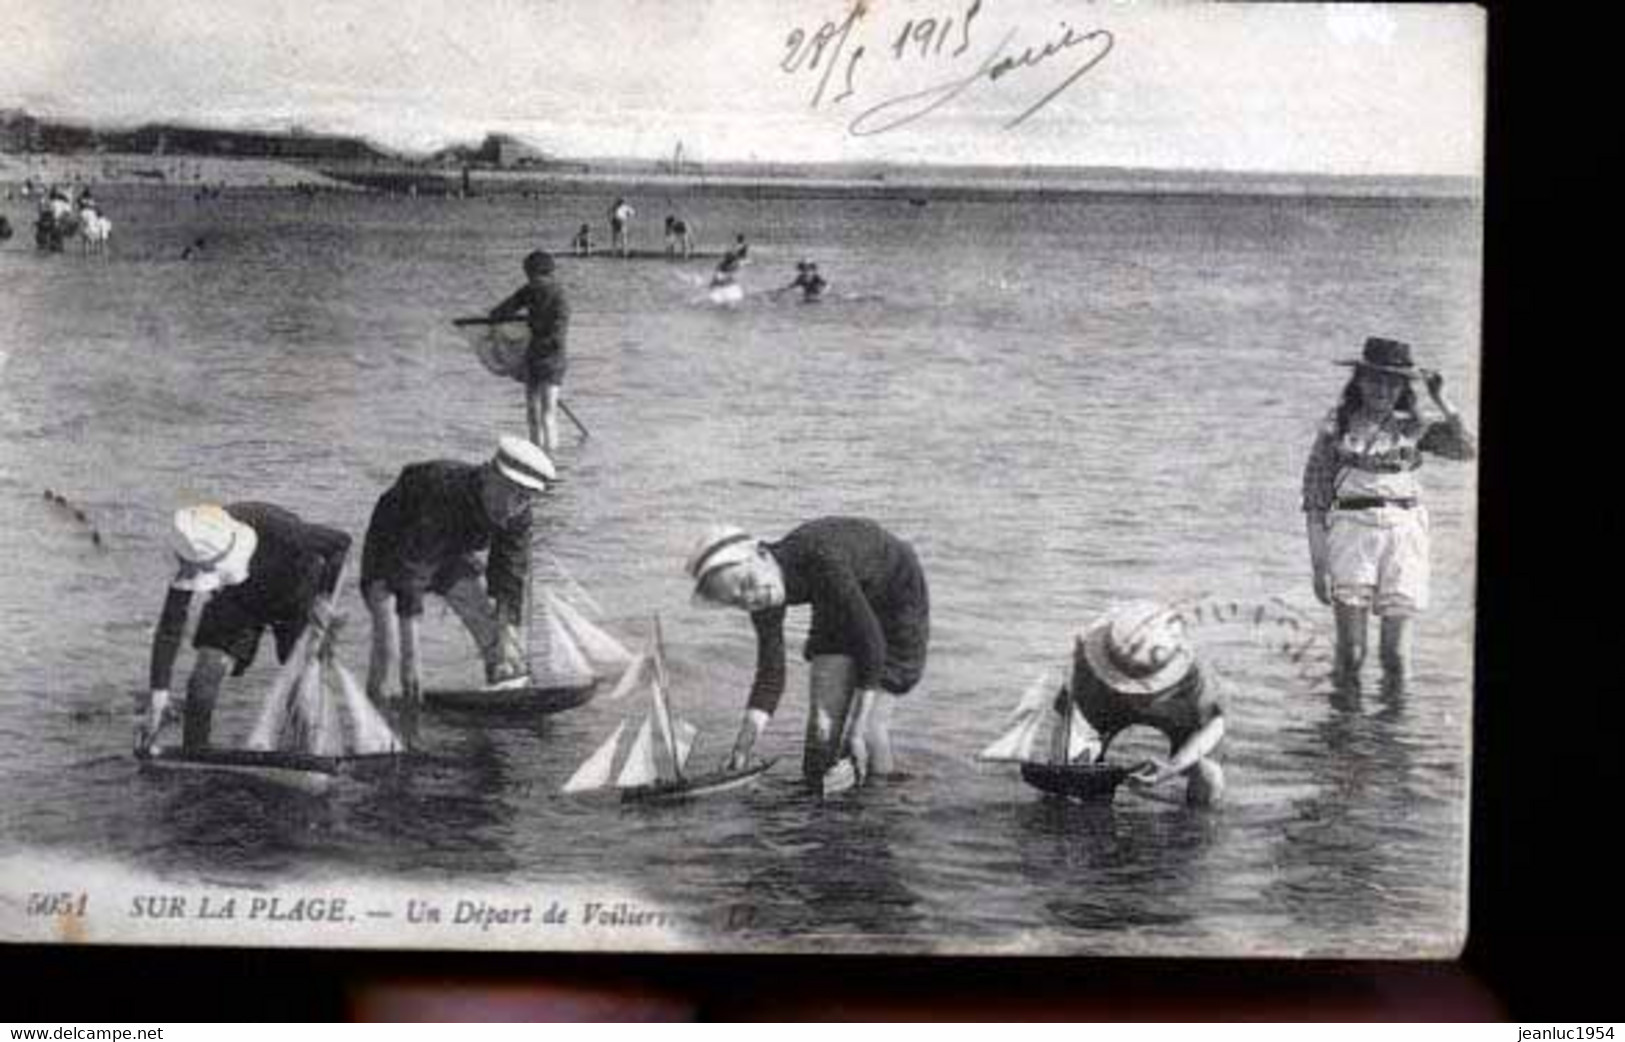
(1545, 904)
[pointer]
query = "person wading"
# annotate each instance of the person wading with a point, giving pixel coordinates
(262, 568)
(426, 535)
(871, 624)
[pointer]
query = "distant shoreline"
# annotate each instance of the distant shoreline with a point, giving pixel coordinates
(920, 185)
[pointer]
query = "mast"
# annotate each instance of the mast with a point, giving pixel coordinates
(662, 708)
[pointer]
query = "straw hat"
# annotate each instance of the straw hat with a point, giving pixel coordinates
(524, 464)
(214, 548)
(718, 547)
(1138, 648)
(1385, 356)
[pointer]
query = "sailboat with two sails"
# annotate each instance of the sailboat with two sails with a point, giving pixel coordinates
(654, 769)
(1069, 762)
(570, 656)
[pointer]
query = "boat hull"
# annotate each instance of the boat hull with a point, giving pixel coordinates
(1079, 781)
(522, 701)
(304, 772)
(695, 786)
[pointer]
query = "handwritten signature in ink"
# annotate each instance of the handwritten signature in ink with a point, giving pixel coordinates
(999, 63)
(834, 46)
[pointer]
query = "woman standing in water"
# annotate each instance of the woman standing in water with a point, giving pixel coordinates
(1368, 530)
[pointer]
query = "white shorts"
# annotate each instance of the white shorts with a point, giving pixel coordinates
(1378, 559)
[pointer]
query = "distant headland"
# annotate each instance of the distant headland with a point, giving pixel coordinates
(45, 151)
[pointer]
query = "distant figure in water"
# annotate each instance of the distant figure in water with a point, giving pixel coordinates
(679, 237)
(808, 281)
(727, 272)
(581, 245)
(194, 250)
(620, 217)
(5, 228)
(541, 302)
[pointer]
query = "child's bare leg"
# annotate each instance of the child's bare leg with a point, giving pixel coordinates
(550, 419)
(882, 761)
(535, 415)
(386, 640)
(830, 689)
(1351, 645)
(1394, 649)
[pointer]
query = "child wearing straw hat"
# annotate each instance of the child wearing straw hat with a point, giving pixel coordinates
(424, 537)
(263, 568)
(1135, 666)
(871, 623)
(1367, 527)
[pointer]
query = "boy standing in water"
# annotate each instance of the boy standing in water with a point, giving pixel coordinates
(541, 301)
(620, 219)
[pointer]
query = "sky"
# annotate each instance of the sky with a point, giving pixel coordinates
(1352, 89)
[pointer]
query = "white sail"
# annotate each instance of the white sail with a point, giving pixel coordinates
(603, 652)
(665, 733)
(575, 587)
(629, 680)
(370, 732)
(1038, 694)
(1083, 742)
(273, 715)
(639, 768)
(1020, 736)
(560, 662)
(596, 770)
(686, 733)
(1015, 745)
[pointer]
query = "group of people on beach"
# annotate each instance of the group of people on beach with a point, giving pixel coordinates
(63, 217)
(462, 531)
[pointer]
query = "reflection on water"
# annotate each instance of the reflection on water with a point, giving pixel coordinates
(834, 870)
(1059, 403)
(1354, 848)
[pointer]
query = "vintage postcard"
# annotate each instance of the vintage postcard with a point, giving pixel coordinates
(904, 476)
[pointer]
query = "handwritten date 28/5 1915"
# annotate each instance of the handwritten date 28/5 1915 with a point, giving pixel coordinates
(834, 53)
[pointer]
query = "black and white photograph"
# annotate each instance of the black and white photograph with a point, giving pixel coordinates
(965, 477)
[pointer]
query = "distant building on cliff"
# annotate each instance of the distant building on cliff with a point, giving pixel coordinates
(502, 152)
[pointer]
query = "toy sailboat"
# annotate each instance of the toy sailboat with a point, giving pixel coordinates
(315, 726)
(572, 656)
(653, 769)
(1069, 764)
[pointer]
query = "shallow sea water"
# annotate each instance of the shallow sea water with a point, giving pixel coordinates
(1060, 403)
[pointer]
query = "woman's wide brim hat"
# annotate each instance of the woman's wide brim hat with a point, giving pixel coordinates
(1386, 356)
(1138, 648)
